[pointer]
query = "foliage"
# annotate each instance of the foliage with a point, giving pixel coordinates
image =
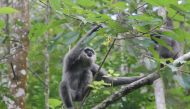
(7, 10)
(71, 19)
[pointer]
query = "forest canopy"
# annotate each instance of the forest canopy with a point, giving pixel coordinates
(148, 38)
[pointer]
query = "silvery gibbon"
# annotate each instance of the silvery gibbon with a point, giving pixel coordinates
(79, 70)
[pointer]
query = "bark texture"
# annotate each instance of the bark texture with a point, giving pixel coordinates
(19, 47)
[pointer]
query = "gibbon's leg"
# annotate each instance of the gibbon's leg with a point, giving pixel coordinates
(66, 95)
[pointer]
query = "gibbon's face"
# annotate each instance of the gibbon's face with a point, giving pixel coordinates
(88, 55)
(89, 52)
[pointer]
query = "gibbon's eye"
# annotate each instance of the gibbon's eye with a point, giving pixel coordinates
(89, 52)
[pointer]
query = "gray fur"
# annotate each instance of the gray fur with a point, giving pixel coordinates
(79, 71)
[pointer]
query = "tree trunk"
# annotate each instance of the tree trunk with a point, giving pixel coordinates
(19, 47)
(46, 54)
(158, 84)
(159, 94)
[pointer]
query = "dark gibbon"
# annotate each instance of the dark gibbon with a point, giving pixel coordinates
(163, 51)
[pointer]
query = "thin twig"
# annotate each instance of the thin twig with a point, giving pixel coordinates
(123, 38)
(105, 58)
(43, 3)
(96, 74)
(184, 71)
(38, 77)
(73, 17)
(139, 7)
(14, 73)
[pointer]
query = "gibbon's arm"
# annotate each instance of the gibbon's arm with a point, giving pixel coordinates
(77, 49)
(114, 81)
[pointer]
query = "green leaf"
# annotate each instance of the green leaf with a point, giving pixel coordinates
(87, 3)
(106, 92)
(162, 43)
(1, 24)
(120, 6)
(55, 4)
(116, 27)
(144, 28)
(145, 22)
(153, 2)
(99, 18)
(179, 9)
(182, 8)
(7, 10)
(178, 35)
(161, 2)
(54, 103)
(143, 17)
(68, 3)
(154, 53)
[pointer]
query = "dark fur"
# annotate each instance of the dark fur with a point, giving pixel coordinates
(164, 52)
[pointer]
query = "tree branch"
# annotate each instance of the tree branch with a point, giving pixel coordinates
(126, 90)
(139, 83)
(182, 59)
